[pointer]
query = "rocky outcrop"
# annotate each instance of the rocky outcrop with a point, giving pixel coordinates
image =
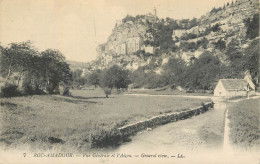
(118, 50)
(230, 20)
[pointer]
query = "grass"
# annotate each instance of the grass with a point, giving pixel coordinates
(211, 130)
(245, 123)
(67, 123)
(166, 91)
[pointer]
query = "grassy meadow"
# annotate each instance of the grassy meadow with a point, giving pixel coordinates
(245, 123)
(166, 91)
(48, 122)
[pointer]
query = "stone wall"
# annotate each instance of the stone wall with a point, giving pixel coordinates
(131, 129)
(117, 136)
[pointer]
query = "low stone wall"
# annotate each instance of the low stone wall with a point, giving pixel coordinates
(132, 129)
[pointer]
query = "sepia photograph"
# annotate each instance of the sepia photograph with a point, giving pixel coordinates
(129, 81)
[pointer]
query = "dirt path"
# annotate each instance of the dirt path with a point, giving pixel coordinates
(227, 145)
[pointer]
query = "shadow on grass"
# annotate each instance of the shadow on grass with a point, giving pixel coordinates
(88, 98)
(78, 99)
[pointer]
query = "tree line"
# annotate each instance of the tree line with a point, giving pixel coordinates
(200, 73)
(26, 69)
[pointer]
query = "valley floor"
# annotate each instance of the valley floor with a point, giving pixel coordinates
(58, 123)
(47, 122)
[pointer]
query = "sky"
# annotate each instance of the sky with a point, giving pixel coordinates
(76, 27)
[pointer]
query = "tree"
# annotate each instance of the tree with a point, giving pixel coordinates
(17, 58)
(234, 54)
(203, 73)
(94, 78)
(252, 26)
(66, 78)
(174, 70)
(193, 22)
(216, 28)
(203, 43)
(251, 59)
(115, 77)
(53, 61)
(38, 71)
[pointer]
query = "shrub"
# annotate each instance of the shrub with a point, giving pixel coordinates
(215, 10)
(66, 91)
(203, 43)
(188, 46)
(28, 89)
(220, 44)
(107, 91)
(38, 91)
(105, 138)
(252, 26)
(9, 90)
(216, 28)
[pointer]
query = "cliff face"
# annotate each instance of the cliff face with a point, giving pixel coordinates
(125, 40)
(232, 14)
(229, 18)
(128, 37)
(120, 34)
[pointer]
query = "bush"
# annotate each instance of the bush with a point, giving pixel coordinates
(107, 91)
(9, 90)
(105, 138)
(220, 44)
(28, 89)
(188, 46)
(216, 28)
(31, 89)
(66, 91)
(38, 91)
(252, 26)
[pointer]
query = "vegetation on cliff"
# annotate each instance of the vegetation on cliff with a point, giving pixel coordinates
(221, 44)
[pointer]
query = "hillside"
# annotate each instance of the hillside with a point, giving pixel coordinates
(193, 54)
(218, 24)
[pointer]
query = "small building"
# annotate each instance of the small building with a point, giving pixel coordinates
(121, 49)
(233, 87)
(133, 43)
(149, 49)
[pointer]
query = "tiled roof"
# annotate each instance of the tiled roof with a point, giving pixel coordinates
(234, 84)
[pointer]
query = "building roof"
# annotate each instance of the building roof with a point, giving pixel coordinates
(234, 84)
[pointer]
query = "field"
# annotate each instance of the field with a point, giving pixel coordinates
(165, 91)
(57, 122)
(244, 124)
